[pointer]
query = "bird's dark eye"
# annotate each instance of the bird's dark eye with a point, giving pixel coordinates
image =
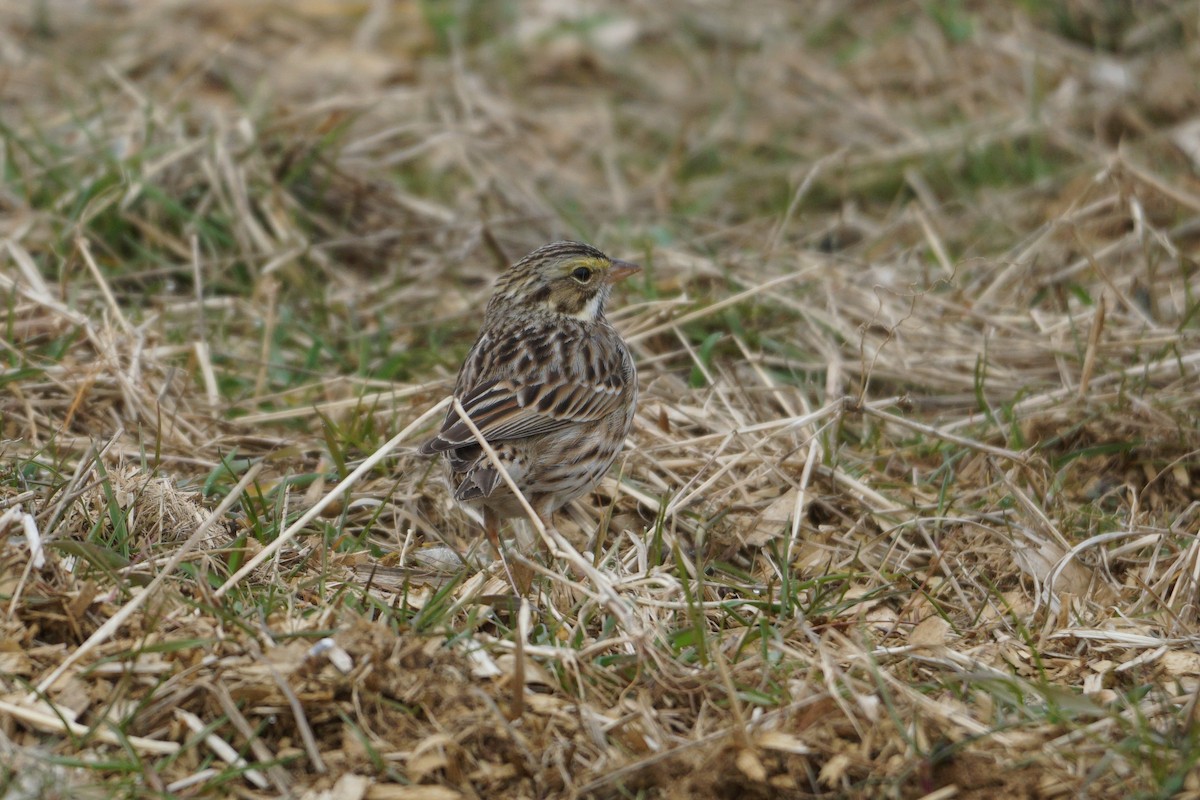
(582, 274)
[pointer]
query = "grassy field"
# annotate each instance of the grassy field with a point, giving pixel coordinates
(912, 503)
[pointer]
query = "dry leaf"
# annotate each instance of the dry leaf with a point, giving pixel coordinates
(783, 742)
(1187, 138)
(14, 662)
(430, 756)
(834, 770)
(1041, 558)
(535, 673)
(392, 791)
(930, 632)
(1180, 662)
(348, 787)
(780, 511)
(747, 761)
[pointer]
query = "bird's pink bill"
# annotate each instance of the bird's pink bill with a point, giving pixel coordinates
(620, 270)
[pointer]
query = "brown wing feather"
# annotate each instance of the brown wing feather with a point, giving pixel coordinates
(503, 411)
(534, 401)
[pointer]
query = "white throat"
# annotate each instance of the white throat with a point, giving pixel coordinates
(590, 311)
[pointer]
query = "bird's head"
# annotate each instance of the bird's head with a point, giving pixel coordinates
(566, 278)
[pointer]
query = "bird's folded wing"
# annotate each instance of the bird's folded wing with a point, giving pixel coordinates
(503, 411)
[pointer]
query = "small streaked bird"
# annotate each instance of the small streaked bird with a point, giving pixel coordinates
(549, 383)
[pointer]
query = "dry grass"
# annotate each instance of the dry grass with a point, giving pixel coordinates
(911, 508)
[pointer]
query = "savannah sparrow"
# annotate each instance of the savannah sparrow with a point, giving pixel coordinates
(549, 383)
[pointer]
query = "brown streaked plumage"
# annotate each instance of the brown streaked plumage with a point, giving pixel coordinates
(549, 383)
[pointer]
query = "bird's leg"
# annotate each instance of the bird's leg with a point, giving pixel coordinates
(546, 517)
(548, 524)
(491, 529)
(522, 569)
